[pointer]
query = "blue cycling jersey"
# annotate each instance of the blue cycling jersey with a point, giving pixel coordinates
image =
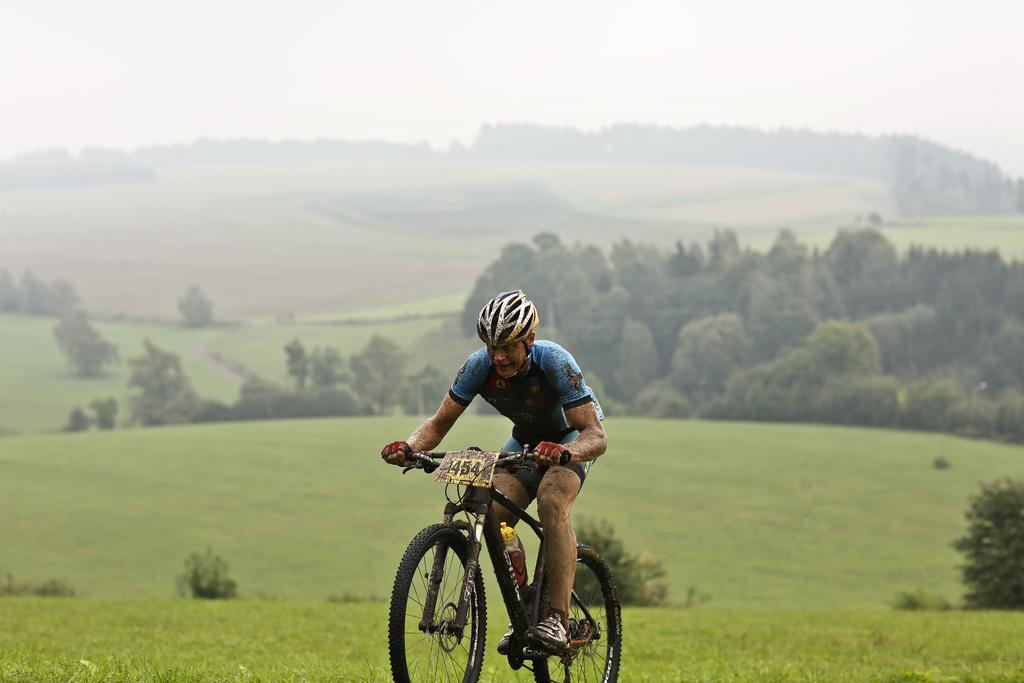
(535, 398)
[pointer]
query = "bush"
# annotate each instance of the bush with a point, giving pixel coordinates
(927, 405)
(636, 575)
(920, 601)
(941, 462)
(262, 400)
(206, 576)
(347, 598)
(859, 400)
(658, 400)
(993, 547)
(53, 588)
(78, 421)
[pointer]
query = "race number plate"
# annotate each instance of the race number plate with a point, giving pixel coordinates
(471, 468)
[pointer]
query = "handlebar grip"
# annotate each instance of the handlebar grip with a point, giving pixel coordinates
(564, 458)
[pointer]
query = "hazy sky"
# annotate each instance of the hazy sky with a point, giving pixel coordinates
(128, 73)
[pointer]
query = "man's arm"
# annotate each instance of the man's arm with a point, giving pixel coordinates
(592, 441)
(430, 433)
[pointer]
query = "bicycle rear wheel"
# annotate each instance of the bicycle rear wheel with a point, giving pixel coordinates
(422, 657)
(596, 661)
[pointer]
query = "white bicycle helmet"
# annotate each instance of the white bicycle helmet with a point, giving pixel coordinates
(507, 318)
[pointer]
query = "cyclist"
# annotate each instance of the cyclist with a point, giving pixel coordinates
(540, 388)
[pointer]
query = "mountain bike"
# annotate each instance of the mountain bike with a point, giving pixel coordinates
(437, 624)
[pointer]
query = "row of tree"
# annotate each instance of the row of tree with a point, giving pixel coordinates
(370, 382)
(852, 334)
(923, 177)
(34, 296)
(89, 352)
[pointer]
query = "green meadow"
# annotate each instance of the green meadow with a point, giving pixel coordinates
(179, 640)
(749, 515)
(39, 387)
(1002, 233)
(261, 347)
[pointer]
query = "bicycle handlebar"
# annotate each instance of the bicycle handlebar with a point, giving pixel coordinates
(424, 460)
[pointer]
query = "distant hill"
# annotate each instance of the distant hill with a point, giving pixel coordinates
(59, 169)
(923, 177)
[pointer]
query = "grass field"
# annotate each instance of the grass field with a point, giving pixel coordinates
(1004, 233)
(328, 238)
(752, 515)
(261, 347)
(178, 640)
(38, 388)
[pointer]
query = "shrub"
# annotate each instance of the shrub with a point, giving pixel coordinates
(78, 421)
(920, 601)
(941, 462)
(636, 575)
(860, 400)
(347, 598)
(53, 588)
(927, 405)
(659, 400)
(206, 576)
(993, 546)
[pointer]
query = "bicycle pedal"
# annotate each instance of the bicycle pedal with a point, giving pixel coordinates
(535, 653)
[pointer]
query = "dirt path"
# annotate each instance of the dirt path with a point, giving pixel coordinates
(228, 369)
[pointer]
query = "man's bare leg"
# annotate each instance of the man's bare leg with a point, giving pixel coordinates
(513, 489)
(557, 493)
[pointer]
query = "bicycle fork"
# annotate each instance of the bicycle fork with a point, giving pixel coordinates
(457, 625)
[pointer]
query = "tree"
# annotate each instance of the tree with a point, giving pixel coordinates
(993, 547)
(40, 298)
(907, 340)
(863, 263)
(709, 350)
(660, 400)
(839, 347)
(164, 394)
(78, 421)
(927, 405)
(326, 368)
(83, 345)
(206, 576)
(377, 372)
(297, 363)
(195, 308)
(637, 359)
(423, 391)
(105, 411)
(10, 297)
(1001, 363)
(777, 317)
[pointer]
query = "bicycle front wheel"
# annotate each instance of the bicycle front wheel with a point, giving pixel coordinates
(435, 654)
(596, 653)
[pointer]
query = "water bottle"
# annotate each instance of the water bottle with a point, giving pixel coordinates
(515, 552)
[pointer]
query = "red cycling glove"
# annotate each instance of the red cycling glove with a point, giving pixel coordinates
(395, 447)
(553, 453)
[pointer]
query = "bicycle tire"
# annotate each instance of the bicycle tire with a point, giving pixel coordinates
(430, 657)
(597, 662)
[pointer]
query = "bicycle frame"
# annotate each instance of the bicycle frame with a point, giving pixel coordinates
(485, 531)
